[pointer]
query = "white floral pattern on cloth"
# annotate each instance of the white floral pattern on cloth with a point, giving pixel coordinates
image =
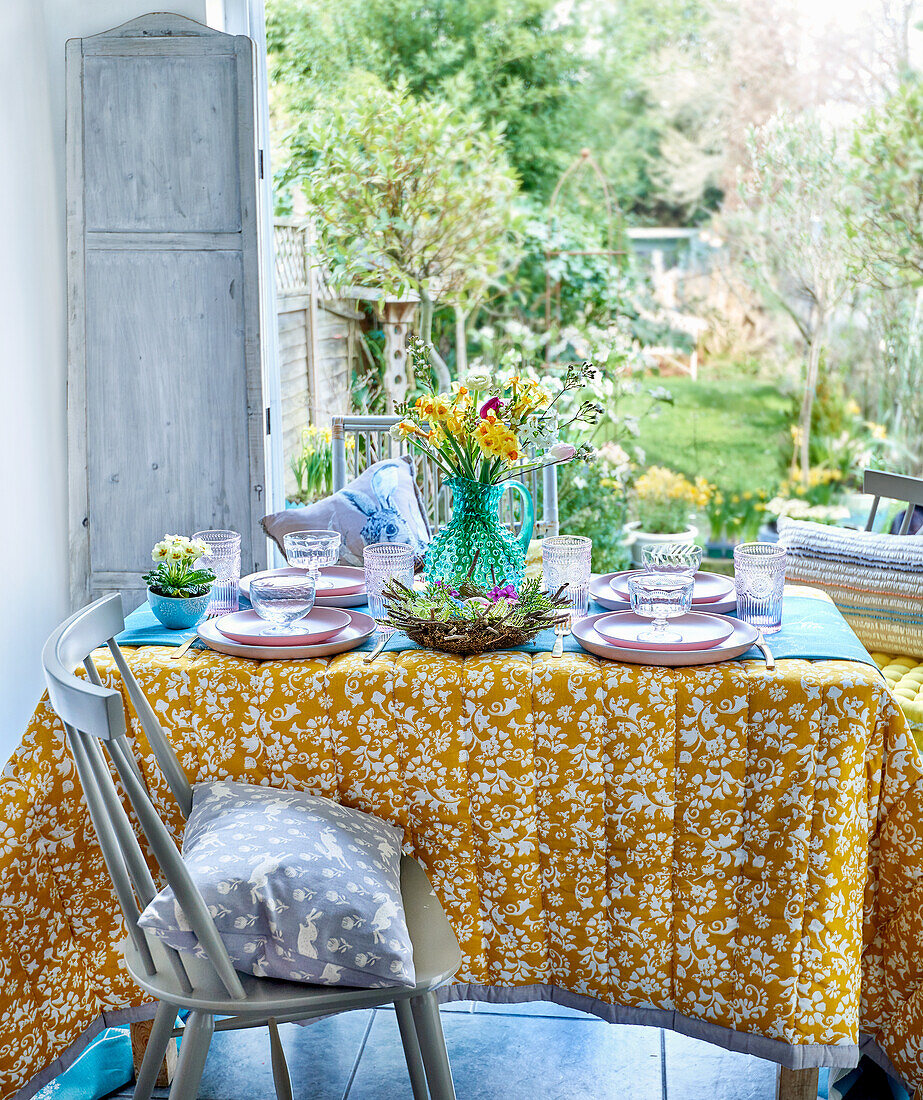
(299, 887)
(739, 846)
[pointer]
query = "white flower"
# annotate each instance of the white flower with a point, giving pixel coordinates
(478, 380)
(395, 432)
(562, 452)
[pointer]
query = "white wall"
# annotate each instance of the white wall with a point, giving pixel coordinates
(33, 366)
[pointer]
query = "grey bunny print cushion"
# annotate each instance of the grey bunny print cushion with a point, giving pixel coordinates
(299, 887)
(381, 505)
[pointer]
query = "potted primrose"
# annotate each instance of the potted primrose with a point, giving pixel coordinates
(664, 502)
(178, 592)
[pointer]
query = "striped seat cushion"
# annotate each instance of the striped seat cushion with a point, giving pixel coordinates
(875, 580)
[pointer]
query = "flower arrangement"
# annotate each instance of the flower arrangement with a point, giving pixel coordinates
(471, 618)
(175, 575)
(485, 429)
(664, 500)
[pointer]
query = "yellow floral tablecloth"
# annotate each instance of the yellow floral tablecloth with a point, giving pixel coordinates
(728, 851)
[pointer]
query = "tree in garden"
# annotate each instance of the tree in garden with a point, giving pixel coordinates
(517, 64)
(555, 77)
(885, 221)
(410, 195)
(792, 236)
(885, 215)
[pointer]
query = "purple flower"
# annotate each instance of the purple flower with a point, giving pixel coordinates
(493, 405)
(507, 592)
(449, 591)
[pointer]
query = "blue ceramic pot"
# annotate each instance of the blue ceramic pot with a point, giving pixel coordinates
(179, 613)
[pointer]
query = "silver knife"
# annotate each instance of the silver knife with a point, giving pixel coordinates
(766, 651)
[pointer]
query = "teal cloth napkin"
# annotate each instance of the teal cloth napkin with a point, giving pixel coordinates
(812, 629)
(104, 1066)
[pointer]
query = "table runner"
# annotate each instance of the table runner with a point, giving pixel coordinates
(705, 849)
(812, 629)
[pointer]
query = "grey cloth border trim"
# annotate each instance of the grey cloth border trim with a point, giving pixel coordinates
(772, 1050)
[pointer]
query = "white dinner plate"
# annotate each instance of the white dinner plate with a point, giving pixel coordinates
(698, 630)
(709, 588)
(605, 597)
(319, 625)
(360, 627)
(355, 598)
(584, 630)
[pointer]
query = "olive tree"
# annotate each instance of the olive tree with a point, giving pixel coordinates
(411, 195)
(792, 235)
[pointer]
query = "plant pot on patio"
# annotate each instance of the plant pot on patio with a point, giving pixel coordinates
(638, 539)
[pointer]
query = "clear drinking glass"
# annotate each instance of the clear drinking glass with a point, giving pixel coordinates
(672, 557)
(566, 560)
(384, 562)
(225, 563)
(660, 596)
(312, 550)
(281, 601)
(759, 576)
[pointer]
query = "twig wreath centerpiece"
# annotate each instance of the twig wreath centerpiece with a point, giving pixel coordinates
(483, 435)
(472, 618)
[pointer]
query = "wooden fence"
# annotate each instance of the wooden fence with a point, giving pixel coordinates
(319, 336)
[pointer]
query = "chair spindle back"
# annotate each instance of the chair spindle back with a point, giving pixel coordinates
(94, 720)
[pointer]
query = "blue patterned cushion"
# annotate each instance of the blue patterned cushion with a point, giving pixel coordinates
(299, 887)
(381, 505)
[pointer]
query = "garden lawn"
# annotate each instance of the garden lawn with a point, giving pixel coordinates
(733, 431)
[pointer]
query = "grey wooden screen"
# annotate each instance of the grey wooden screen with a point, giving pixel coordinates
(165, 405)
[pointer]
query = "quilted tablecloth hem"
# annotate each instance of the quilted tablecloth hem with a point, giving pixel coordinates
(808, 1056)
(770, 1049)
(116, 1018)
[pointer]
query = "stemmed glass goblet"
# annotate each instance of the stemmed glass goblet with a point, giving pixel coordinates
(672, 557)
(312, 551)
(282, 601)
(660, 596)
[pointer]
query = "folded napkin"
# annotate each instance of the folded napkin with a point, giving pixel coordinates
(142, 627)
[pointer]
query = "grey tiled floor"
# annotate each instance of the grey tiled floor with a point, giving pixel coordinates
(535, 1051)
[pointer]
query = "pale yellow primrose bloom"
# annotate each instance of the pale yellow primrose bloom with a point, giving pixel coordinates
(178, 548)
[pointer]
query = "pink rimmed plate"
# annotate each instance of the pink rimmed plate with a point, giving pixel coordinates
(339, 597)
(709, 587)
(743, 637)
(360, 627)
(317, 626)
(698, 630)
(604, 595)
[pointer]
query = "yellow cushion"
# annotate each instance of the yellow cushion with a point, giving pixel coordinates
(905, 679)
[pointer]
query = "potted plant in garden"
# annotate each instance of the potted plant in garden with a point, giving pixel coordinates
(178, 591)
(664, 502)
(481, 435)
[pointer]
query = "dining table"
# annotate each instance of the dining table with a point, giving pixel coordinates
(731, 851)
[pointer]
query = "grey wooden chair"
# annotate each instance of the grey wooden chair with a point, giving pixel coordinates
(879, 484)
(94, 719)
(371, 442)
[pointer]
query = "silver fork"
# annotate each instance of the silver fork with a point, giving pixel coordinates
(766, 651)
(561, 630)
(379, 646)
